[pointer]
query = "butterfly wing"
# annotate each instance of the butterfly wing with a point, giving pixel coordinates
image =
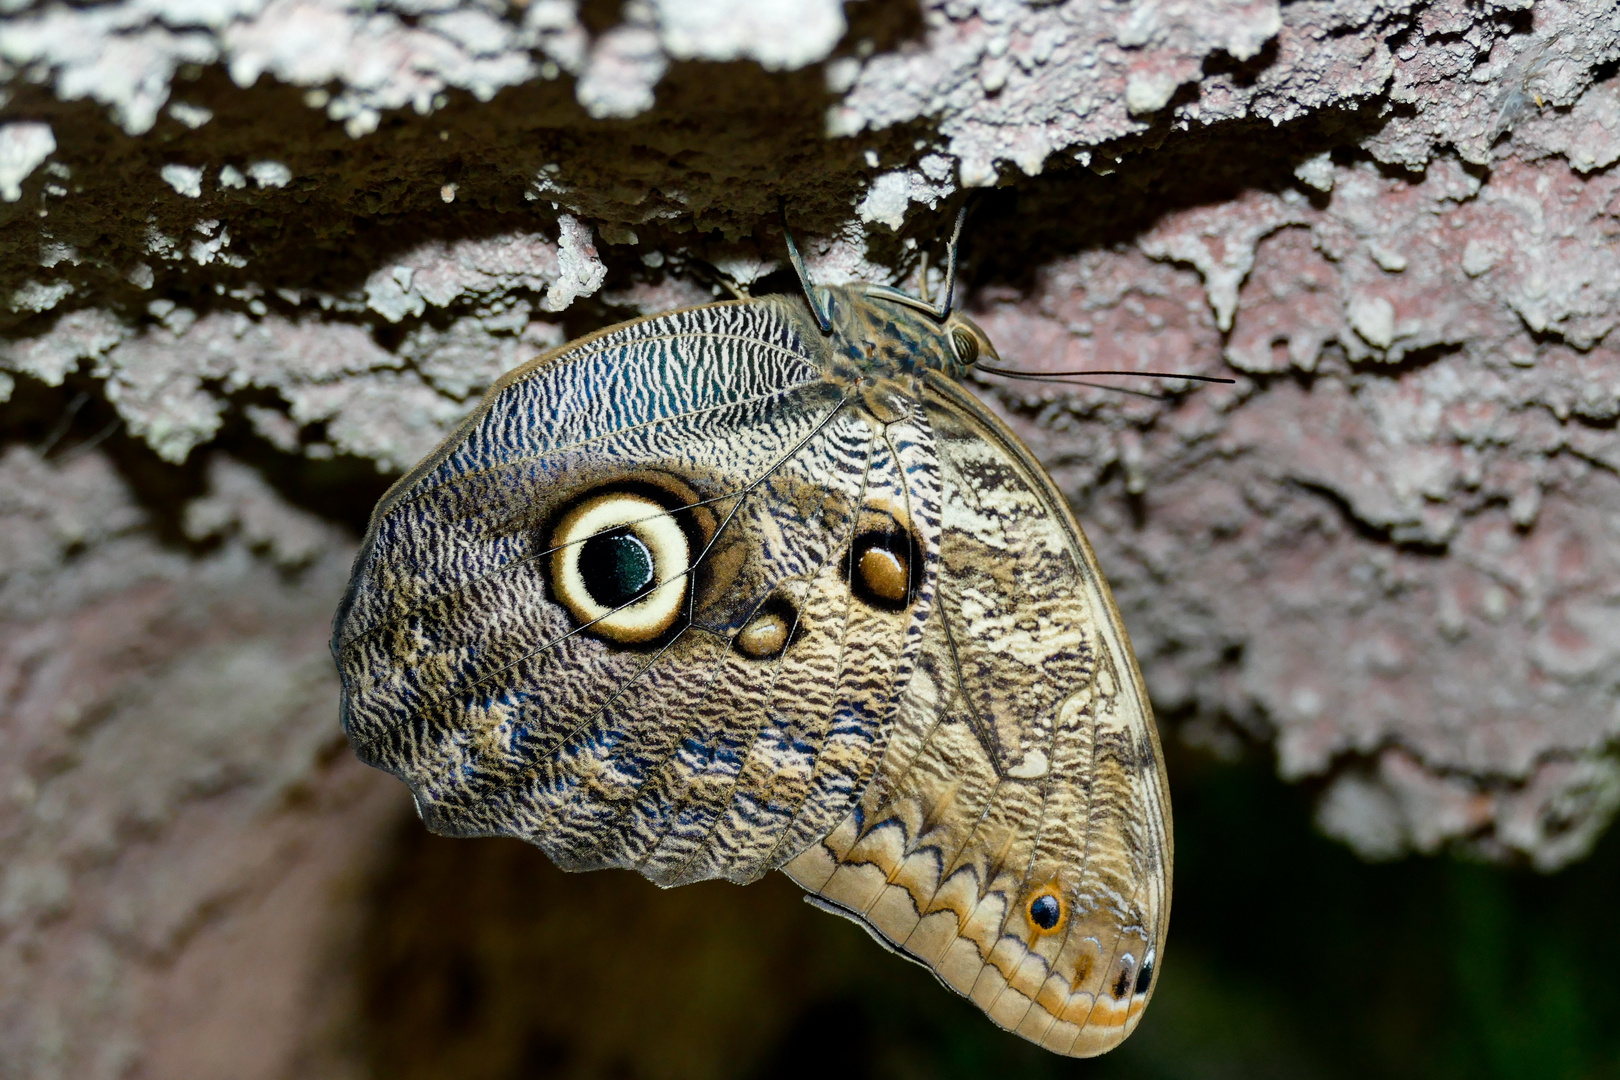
(489, 662)
(1016, 838)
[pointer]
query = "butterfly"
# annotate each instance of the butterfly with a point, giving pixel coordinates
(760, 585)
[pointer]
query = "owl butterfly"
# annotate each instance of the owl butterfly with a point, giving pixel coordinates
(758, 585)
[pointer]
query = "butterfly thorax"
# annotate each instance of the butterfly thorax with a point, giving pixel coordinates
(880, 333)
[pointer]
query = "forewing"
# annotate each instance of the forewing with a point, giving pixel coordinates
(1024, 782)
(682, 756)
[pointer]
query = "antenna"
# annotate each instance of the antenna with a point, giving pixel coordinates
(1052, 376)
(822, 319)
(1059, 376)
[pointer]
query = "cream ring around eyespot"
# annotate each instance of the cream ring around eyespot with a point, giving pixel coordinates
(659, 536)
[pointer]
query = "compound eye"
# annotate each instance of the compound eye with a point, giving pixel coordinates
(619, 564)
(965, 345)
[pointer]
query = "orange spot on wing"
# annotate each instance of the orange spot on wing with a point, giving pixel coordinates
(1082, 971)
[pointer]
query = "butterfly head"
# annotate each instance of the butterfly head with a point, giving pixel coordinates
(886, 333)
(880, 332)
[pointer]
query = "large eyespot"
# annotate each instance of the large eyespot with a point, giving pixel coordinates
(619, 564)
(965, 345)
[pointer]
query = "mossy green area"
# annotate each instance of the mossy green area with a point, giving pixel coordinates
(1288, 957)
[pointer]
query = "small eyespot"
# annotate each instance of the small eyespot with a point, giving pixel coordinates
(1127, 966)
(769, 632)
(965, 345)
(883, 569)
(1144, 978)
(764, 637)
(1045, 911)
(619, 565)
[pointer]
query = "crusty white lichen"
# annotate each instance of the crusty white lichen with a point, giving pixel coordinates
(24, 146)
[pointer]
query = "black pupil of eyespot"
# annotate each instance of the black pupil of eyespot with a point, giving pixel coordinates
(967, 349)
(1044, 911)
(616, 568)
(1144, 978)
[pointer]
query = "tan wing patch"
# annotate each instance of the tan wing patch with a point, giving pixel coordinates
(1016, 837)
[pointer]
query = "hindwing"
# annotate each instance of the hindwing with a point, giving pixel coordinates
(1016, 838)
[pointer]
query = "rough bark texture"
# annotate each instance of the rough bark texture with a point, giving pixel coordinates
(254, 253)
